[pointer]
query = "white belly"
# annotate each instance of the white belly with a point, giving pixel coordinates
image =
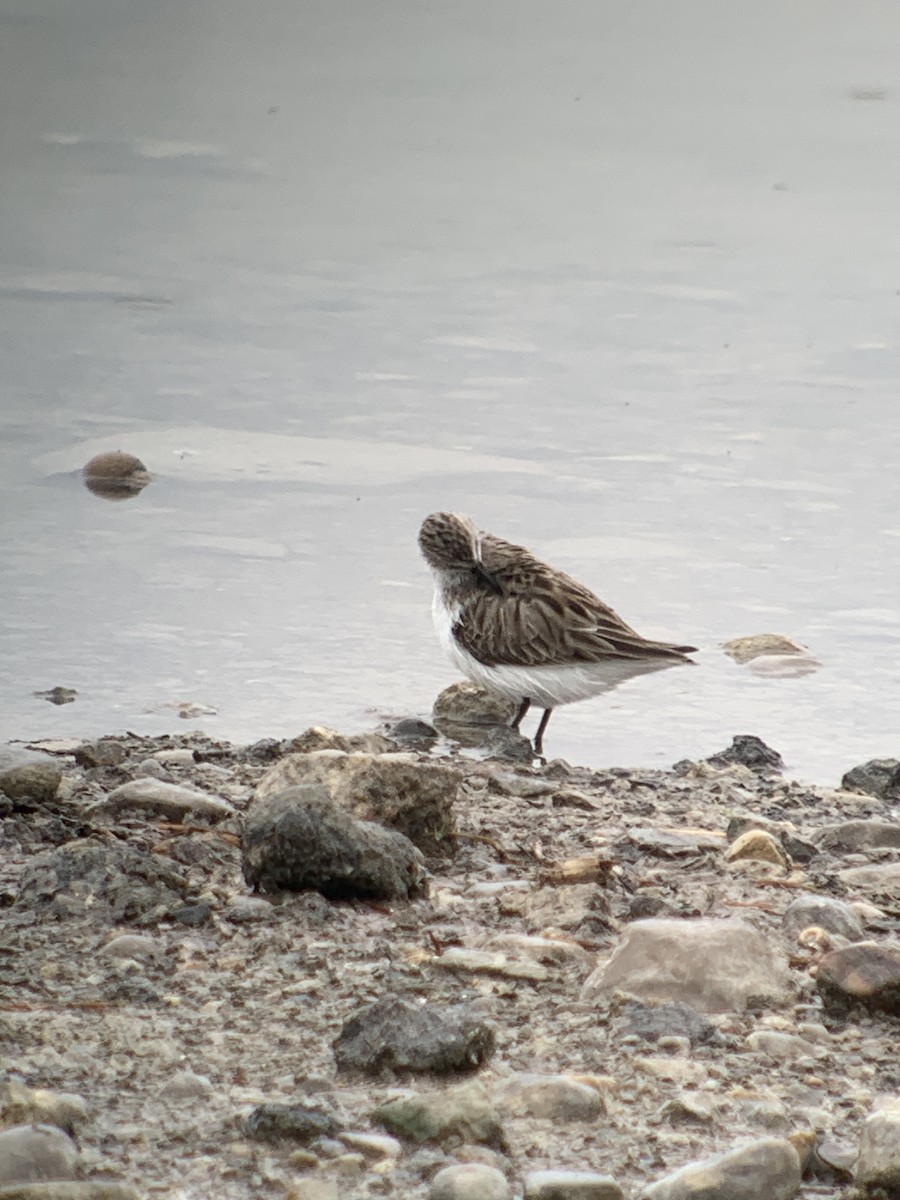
(545, 686)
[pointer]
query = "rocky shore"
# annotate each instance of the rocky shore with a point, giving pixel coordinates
(378, 966)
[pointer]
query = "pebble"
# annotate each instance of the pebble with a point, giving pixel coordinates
(469, 1181)
(778, 1045)
(759, 845)
(571, 1185)
(486, 962)
(373, 1145)
(20, 1104)
(548, 1097)
(29, 1153)
(465, 1112)
(171, 799)
(825, 911)
(878, 1164)
(768, 1168)
(133, 945)
(186, 1085)
(37, 782)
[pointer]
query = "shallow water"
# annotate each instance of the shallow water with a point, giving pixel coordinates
(619, 281)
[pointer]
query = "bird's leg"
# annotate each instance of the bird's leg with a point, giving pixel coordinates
(523, 709)
(539, 736)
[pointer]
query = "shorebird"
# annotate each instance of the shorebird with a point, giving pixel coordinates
(522, 629)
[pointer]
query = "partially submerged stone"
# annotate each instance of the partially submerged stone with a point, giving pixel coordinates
(301, 838)
(115, 474)
(715, 965)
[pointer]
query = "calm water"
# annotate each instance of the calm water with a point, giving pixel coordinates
(620, 280)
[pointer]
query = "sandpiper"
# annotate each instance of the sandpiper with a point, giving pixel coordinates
(522, 629)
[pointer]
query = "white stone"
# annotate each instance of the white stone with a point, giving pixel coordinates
(469, 1181)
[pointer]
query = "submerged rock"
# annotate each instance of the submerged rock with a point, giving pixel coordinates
(747, 750)
(303, 839)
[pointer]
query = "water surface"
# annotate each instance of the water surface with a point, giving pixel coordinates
(621, 281)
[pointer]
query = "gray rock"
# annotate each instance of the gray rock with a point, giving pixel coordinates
(415, 798)
(774, 1043)
(413, 732)
(106, 752)
(37, 782)
(469, 1181)
(124, 883)
(29, 1153)
(571, 1185)
(767, 1168)
(320, 737)
(398, 1035)
(21, 1105)
(301, 1122)
(714, 965)
(303, 839)
(548, 1097)
(833, 915)
(171, 799)
(654, 1021)
(465, 703)
(878, 777)
(133, 945)
(460, 1114)
(186, 1085)
(873, 882)
(878, 1164)
(850, 836)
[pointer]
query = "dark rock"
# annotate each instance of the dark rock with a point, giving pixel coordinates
(862, 974)
(654, 1021)
(81, 875)
(115, 474)
(303, 839)
(396, 1034)
(501, 742)
(191, 914)
(34, 782)
(878, 777)
(645, 905)
(413, 732)
(58, 695)
(301, 1122)
(266, 750)
(747, 750)
(414, 798)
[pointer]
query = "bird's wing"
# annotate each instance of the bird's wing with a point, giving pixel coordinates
(541, 617)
